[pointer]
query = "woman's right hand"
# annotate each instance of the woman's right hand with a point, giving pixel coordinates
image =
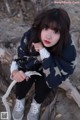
(19, 76)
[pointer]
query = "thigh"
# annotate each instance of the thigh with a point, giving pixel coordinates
(23, 87)
(41, 89)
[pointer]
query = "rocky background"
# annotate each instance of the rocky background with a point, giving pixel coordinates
(15, 19)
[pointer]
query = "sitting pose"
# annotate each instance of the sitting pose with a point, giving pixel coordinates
(47, 48)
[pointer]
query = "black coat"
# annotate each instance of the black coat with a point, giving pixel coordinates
(54, 70)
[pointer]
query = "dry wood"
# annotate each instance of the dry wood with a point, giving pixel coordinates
(50, 111)
(8, 6)
(71, 91)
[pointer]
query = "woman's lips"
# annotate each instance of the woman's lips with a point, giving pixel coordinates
(47, 42)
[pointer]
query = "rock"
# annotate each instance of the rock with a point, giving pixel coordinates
(58, 116)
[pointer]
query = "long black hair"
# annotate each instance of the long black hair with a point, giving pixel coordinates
(56, 19)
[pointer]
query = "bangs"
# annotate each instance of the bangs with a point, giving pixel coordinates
(51, 22)
(56, 19)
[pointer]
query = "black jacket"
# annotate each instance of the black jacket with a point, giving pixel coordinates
(55, 70)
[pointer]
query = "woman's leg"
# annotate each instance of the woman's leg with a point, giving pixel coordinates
(41, 90)
(22, 88)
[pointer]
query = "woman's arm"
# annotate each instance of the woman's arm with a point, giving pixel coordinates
(56, 69)
(15, 73)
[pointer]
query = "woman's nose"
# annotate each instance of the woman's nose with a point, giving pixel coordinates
(49, 36)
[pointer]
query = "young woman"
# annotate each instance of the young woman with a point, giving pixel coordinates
(47, 48)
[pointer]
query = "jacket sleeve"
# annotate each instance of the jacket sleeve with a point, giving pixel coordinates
(56, 69)
(22, 49)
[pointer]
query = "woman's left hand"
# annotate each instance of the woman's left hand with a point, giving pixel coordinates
(38, 46)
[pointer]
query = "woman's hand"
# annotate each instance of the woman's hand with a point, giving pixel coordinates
(38, 46)
(19, 76)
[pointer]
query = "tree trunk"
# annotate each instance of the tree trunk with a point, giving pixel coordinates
(50, 110)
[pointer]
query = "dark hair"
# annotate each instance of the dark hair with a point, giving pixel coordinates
(56, 19)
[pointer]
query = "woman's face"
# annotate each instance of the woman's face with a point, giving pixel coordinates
(49, 37)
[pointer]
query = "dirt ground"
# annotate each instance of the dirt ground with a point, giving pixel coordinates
(12, 29)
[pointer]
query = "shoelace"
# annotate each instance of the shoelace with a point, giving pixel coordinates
(35, 108)
(19, 105)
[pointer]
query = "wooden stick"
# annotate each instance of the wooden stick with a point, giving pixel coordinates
(4, 98)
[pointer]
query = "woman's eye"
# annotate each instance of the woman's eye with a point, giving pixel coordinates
(54, 31)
